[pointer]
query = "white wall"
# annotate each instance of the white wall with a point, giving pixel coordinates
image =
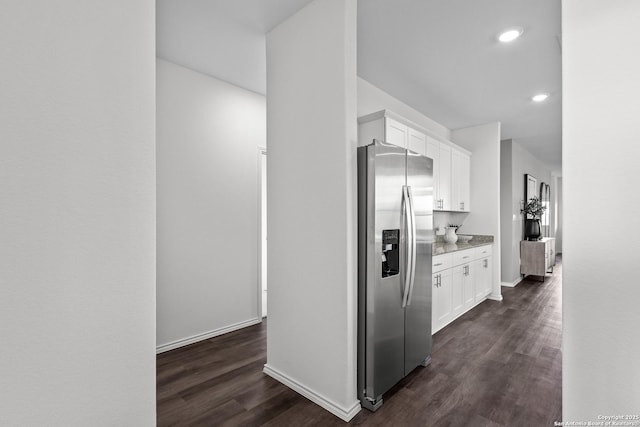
(601, 100)
(372, 99)
(520, 162)
(484, 142)
(77, 213)
(208, 137)
(558, 222)
(506, 212)
(312, 221)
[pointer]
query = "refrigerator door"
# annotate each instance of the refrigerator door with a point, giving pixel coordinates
(417, 344)
(381, 318)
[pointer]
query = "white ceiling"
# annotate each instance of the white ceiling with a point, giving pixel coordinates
(439, 56)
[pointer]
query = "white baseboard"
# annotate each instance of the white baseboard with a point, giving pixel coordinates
(345, 414)
(495, 297)
(512, 284)
(206, 335)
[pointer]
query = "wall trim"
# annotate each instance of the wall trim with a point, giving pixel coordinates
(512, 284)
(345, 414)
(495, 297)
(206, 335)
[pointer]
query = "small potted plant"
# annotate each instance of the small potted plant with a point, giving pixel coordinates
(532, 211)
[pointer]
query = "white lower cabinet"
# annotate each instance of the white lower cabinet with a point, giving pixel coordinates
(461, 280)
(468, 285)
(483, 272)
(457, 291)
(441, 313)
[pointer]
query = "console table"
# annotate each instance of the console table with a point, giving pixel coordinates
(537, 257)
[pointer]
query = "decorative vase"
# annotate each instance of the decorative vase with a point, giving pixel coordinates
(532, 229)
(450, 235)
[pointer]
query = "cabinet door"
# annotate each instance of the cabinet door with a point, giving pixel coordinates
(547, 259)
(534, 257)
(457, 291)
(483, 276)
(395, 133)
(552, 252)
(444, 188)
(433, 151)
(417, 141)
(468, 286)
(441, 308)
(461, 181)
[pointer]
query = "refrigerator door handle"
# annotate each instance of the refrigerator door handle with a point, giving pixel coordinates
(406, 202)
(414, 254)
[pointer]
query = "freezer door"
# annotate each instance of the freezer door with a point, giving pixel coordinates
(381, 317)
(417, 342)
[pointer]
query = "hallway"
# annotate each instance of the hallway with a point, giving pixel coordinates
(497, 365)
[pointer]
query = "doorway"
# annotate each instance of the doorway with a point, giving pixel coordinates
(262, 256)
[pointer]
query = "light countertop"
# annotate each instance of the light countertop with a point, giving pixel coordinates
(440, 247)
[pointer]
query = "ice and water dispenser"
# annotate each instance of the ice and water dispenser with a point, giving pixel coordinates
(390, 252)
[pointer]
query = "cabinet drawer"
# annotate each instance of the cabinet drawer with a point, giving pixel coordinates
(442, 262)
(484, 251)
(463, 257)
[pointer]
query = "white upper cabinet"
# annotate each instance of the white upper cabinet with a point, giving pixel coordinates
(417, 141)
(451, 176)
(444, 180)
(433, 151)
(461, 181)
(395, 132)
(451, 163)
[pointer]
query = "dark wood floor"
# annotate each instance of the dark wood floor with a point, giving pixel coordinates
(498, 365)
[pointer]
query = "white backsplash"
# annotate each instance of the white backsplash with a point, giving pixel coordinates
(443, 219)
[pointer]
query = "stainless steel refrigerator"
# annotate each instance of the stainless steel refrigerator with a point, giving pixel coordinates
(395, 237)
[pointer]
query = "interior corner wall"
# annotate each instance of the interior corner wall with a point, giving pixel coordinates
(312, 210)
(507, 217)
(208, 134)
(77, 213)
(601, 100)
(521, 162)
(558, 216)
(484, 142)
(372, 99)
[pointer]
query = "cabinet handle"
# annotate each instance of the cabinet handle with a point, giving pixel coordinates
(435, 265)
(465, 257)
(486, 263)
(461, 205)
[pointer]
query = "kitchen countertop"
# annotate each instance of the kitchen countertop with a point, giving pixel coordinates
(440, 247)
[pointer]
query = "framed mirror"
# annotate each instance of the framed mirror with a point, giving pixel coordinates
(545, 199)
(530, 187)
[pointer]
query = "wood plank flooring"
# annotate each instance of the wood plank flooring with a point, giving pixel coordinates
(497, 365)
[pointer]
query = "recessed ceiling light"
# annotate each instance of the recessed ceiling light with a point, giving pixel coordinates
(510, 35)
(540, 97)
